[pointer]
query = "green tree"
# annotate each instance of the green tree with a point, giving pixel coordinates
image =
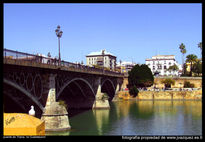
(191, 58)
(197, 67)
(200, 46)
(133, 91)
(183, 51)
(173, 68)
(187, 84)
(168, 82)
(140, 76)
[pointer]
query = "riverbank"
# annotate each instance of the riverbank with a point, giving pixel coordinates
(163, 95)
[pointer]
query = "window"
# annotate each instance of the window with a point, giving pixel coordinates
(159, 66)
(153, 67)
(165, 67)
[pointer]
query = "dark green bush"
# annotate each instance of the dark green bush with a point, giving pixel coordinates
(133, 91)
(62, 103)
(187, 84)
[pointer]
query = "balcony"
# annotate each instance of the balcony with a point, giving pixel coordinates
(99, 59)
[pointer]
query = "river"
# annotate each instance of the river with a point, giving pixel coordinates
(139, 118)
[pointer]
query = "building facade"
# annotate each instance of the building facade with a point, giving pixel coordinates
(102, 59)
(160, 64)
(125, 66)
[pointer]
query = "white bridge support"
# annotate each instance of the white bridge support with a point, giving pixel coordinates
(54, 115)
(100, 101)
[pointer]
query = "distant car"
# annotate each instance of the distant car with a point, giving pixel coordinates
(126, 89)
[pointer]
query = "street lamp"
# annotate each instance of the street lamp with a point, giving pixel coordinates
(59, 34)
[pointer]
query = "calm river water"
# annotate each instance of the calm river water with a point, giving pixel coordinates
(139, 118)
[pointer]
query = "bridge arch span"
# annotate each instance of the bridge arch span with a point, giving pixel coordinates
(73, 80)
(109, 81)
(109, 88)
(77, 94)
(29, 100)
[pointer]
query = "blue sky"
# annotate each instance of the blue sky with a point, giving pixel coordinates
(132, 32)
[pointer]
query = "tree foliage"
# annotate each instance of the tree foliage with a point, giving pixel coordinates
(197, 67)
(182, 48)
(133, 91)
(63, 103)
(140, 76)
(200, 45)
(183, 51)
(168, 82)
(187, 84)
(191, 58)
(173, 68)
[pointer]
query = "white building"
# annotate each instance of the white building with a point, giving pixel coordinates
(101, 58)
(161, 63)
(125, 66)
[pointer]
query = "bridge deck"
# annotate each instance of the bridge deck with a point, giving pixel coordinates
(24, 59)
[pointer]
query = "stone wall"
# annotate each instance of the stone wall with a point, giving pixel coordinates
(197, 81)
(167, 95)
(163, 95)
(179, 81)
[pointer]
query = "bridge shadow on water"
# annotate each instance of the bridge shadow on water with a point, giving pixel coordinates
(74, 112)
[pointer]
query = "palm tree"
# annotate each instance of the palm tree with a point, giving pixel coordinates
(173, 68)
(200, 46)
(191, 58)
(183, 51)
(197, 67)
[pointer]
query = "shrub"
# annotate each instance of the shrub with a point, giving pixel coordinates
(105, 97)
(187, 84)
(125, 94)
(62, 103)
(168, 82)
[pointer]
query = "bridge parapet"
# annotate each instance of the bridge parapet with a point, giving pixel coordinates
(25, 59)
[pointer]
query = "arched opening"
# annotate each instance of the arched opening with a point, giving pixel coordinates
(108, 88)
(78, 96)
(16, 101)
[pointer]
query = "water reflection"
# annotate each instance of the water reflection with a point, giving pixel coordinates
(102, 119)
(141, 118)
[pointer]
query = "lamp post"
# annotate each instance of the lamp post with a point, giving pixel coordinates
(59, 34)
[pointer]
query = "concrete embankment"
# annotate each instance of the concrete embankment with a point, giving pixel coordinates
(164, 95)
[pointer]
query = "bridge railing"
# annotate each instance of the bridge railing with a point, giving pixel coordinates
(20, 56)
